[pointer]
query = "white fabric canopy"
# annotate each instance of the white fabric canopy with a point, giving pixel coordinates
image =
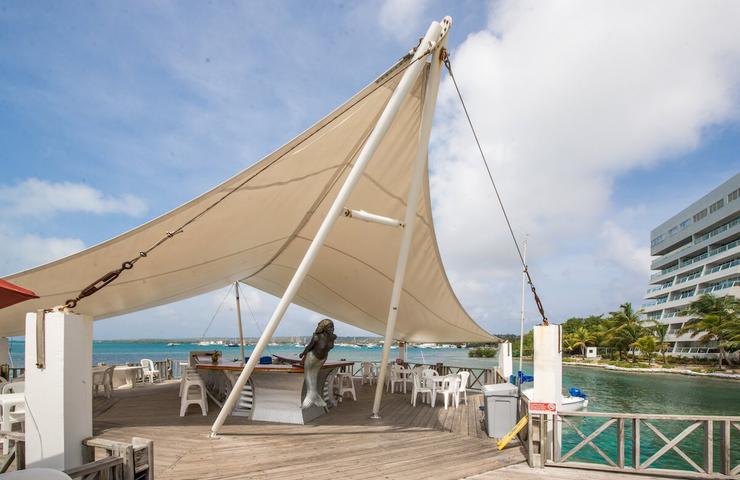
(259, 234)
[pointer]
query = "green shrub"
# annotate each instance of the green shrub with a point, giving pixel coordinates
(482, 352)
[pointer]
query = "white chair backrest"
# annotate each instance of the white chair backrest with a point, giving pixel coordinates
(418, 384)
(15, 387)
(147, 365)
(464, 376)
(428, 372)
(451, 383)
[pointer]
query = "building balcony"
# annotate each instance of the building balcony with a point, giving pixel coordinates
(714, 274)
(718, 234)
(716, 254)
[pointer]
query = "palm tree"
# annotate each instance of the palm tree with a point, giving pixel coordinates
(582, 338)
(660, 330)
(647, 346)
(625, 329)
(715, 319)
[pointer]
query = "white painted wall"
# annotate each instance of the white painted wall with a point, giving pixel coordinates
(591, 352)
(59, 396)
(548, 364)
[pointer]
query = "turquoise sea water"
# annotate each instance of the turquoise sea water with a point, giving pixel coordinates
(608, 391)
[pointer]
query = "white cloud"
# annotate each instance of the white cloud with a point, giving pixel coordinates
(567, 96)
(621, 248)
(37, 197)
(23, 250)
(401, 18)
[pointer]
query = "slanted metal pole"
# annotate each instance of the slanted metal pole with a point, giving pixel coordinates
(239, 319)
(412, 204)
(336, 210)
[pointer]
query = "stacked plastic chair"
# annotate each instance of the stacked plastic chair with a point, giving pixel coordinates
(192, 391)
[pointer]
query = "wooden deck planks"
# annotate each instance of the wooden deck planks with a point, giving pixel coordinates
(407, 443)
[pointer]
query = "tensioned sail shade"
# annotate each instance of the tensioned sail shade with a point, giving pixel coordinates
(260, 233)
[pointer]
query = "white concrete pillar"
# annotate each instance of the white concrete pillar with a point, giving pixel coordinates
(505, 360)
(548, 364)
(58, 396)
(4, 351)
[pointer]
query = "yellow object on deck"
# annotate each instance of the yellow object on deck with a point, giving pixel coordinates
(509, 436)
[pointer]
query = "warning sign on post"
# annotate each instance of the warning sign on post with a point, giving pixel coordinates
(542, 407)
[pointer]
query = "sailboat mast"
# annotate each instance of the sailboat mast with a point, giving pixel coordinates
(239, 321)
(521, 311)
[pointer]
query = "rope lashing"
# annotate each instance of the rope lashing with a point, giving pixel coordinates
(111, 276)
(446, 59)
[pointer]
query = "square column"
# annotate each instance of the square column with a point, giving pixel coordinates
(58, 396)
(548, 364)
(505, 365)
(4, 351)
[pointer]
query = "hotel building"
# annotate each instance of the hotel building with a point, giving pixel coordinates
(696, 251)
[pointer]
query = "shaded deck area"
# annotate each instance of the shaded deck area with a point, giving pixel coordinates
(408, 443)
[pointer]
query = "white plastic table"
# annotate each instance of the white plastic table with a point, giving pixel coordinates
(122, 374)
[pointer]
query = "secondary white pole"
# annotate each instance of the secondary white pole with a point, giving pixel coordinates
(412, 204)
(521, 318)
(239, 319)
(336, 210)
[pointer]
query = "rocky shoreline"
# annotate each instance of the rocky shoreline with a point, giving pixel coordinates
(672, 371)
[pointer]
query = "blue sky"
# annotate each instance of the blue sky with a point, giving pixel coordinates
(600, 123)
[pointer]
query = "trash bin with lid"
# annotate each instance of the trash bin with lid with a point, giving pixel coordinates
(500, 408)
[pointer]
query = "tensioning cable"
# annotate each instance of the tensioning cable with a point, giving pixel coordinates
(210, 322)
(446, 60)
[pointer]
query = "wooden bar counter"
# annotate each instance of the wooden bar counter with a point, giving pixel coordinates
(274, 392)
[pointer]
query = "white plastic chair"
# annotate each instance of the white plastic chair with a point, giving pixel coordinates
(14, 387)
(345, 384)
(464, 376)
(193, 392)
(104, 379)
(450, 388)
(148, 370)
(395, 377)
(13, 415)
(187, 372)
(426, 377)
(369, 375)
(418, 388)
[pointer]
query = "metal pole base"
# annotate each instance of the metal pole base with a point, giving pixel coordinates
(375, 416)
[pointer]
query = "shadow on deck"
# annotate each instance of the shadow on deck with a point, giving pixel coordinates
(408, 442)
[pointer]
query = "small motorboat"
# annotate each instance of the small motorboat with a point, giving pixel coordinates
(576, 400)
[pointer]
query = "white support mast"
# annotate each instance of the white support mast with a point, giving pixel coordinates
(412, 205)
(337, 209)
(239, 319)
(521, 318)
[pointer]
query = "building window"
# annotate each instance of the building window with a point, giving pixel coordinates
(656, 240)
(673, 231)
(700, 215)
(684, 224)
(717, 205)
(732, 196)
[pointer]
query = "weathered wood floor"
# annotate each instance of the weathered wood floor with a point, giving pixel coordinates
(522, 471)
(408, 443)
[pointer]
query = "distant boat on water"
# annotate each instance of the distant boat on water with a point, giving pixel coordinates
(173, 344)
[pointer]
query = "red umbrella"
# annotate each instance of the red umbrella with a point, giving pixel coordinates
(11, 294)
